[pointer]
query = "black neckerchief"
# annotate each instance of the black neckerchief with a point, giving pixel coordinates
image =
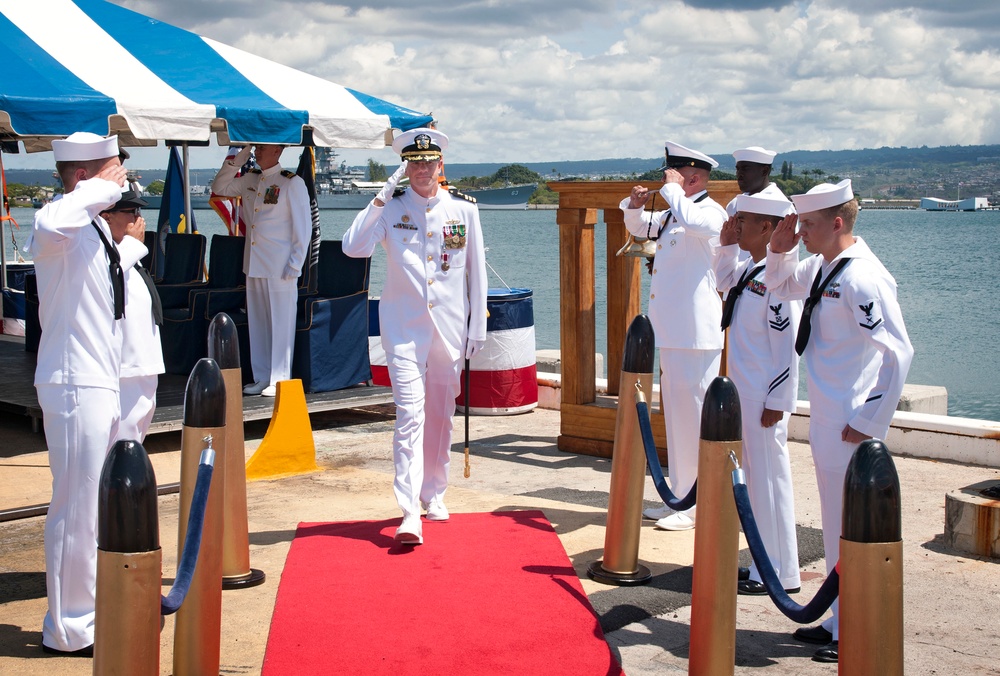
(815, 294)
(115, 270)
(157, 306)
(734, 293)
(666, 219)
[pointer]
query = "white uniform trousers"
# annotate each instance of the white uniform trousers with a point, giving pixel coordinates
(271, 306)
(831, 456)
(424, 395)
(685, 378)
(138, 403)
(769, 483)
(81, 423)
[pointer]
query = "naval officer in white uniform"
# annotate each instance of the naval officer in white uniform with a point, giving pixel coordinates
(142, 355)
(855, 345)
(684, 307)
(279, 226)
(80, 302)
(763, 365)
(432, 314)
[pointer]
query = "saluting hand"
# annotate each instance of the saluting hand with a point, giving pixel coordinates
(137, 228)
(390, 186)
(728, 235)
(784, 238)
(115, 173)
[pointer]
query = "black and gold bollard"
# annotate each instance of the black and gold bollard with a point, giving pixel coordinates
(197, 635)
(620, 565)
(716, 537)
(871, 566)
(224, 348)
(127, 623)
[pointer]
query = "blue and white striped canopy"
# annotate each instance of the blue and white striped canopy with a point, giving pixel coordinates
(90, 65)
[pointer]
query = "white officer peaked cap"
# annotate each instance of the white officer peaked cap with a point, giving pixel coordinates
(769, 204)
(755, 154)
(82, 146)
(420, 144)
(678, 156)
(824, 196)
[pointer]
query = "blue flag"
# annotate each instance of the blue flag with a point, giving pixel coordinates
(171, 208)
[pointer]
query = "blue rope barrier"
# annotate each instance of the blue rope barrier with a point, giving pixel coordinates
(827, 593)
(171, 603)
(653, 461)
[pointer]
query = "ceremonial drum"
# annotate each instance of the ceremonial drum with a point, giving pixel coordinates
(502, 376)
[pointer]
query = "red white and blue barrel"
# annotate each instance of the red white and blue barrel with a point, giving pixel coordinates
(503, 379)
(380, 367)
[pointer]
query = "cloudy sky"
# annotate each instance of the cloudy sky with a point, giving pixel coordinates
(521, 80)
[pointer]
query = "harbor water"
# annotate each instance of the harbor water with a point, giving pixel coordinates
(945, 264)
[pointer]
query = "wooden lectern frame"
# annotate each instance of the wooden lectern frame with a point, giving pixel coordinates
(587, 422)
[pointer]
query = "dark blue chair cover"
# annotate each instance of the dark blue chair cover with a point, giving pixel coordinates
(331, 333)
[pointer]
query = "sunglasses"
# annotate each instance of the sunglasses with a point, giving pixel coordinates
(134, 211)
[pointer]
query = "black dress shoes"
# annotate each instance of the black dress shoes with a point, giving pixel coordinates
(754, 588)
(742, 573)
(817, 635)
(751, 588)
(827, 653)
(87, 651)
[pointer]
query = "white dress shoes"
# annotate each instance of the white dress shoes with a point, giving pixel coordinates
(436, 511)
(254, 388)
(676, 521)
(410, 532)
(657, 513)
(269, 391)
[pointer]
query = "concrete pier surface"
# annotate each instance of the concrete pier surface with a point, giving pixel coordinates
(952, 600)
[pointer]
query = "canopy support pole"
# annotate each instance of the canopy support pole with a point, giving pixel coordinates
(187, 190)
(4, 209)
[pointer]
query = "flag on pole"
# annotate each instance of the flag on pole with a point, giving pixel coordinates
(171, 217)
(307, 171)
(228, 208)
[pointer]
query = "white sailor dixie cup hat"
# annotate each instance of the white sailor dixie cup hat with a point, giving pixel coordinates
(678, 156)
(755, 154)
(82, 146)
(769, 204)
(824, 196)
(420, 144)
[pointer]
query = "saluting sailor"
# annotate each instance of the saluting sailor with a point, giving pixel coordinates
(753, 174)
(142, 355)
(432, 314)
(276, 209)
(684, 307)
(855, 345)
(81, 300)
(763, 365)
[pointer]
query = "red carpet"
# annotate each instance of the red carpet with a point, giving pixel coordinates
(485, 594)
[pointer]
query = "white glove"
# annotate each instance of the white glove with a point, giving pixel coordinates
(241, 157)
(390, 185)
(289, 272)
(472, 347)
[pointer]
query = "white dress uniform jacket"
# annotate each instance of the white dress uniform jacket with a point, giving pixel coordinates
(421, 299)
(761, 361)
(276, 210)
(684, 305)
(141, 351)
(858, 353)
(81, 342)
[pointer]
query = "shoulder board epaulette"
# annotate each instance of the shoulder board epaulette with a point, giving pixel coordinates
(254, 171)
(462, 195)
(287, 174)
(398, 191)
